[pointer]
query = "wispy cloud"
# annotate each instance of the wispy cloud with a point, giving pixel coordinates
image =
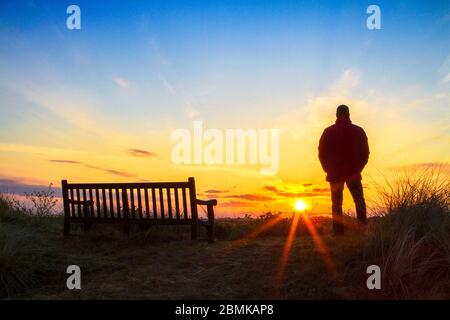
(215, 191)
(64, 161)
(120, 82)
(18, 187)
(347, 82)
(23, 148)
(297, 191)
(236, 204)
(440, 167)
(446, 79)
(250, 197)
(79, 110)
(116, 172)
(140, 153)
(168, 86)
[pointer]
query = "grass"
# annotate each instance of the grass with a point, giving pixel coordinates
(409, 239)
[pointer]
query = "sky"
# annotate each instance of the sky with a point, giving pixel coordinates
(100, 103)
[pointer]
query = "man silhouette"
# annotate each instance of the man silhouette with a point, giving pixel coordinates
(343, 153)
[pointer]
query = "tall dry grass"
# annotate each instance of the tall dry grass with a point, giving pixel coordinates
(410, 237)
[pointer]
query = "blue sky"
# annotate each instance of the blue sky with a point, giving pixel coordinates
(240, 48)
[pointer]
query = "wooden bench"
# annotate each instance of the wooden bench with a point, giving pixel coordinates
(145, 204)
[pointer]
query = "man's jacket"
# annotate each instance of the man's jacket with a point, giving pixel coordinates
(343, 150)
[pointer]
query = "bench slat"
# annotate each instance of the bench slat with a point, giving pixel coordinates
(161, 203)
(97, 200)
(177, 204)
(147, 207)
(185, 208)
(139, 199)
(78, 204)
(73, 205)
(85, 205)
(118, 203)
(91, 206)
(133, 208)
(155, 212)
(169, 204)
(105, 209)
(111, 203)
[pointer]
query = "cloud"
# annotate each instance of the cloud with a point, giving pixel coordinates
(79, 110)
(446, 79)
(191, 112)
(115, 172)
(215, 191)
(168, 86)
(119, 173)
(438, 167)
(270, 188)
(349, 80)
(120, 82)
(22, 148)
(250, 197)
(64, 161)
(16, 186)
(238, 204)
(297, 191)
(140, 153)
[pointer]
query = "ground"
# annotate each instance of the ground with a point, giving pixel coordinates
(150, 266)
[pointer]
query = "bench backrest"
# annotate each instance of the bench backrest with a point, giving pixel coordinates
(148, 200)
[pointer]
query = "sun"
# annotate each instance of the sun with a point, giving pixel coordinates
(300, 205)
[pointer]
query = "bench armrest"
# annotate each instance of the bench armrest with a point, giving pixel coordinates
(211, 202)
(210, 223)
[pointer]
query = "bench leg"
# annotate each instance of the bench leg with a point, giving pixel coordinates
(210, 223)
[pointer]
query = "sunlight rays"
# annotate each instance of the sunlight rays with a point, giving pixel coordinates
(262, 228)
(321, 247)
(235, 245)
(318, 242)
(286, 251)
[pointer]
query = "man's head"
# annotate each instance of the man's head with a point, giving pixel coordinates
(342, 110)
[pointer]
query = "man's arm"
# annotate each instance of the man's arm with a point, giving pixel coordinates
(323, 146)
(364, 150)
